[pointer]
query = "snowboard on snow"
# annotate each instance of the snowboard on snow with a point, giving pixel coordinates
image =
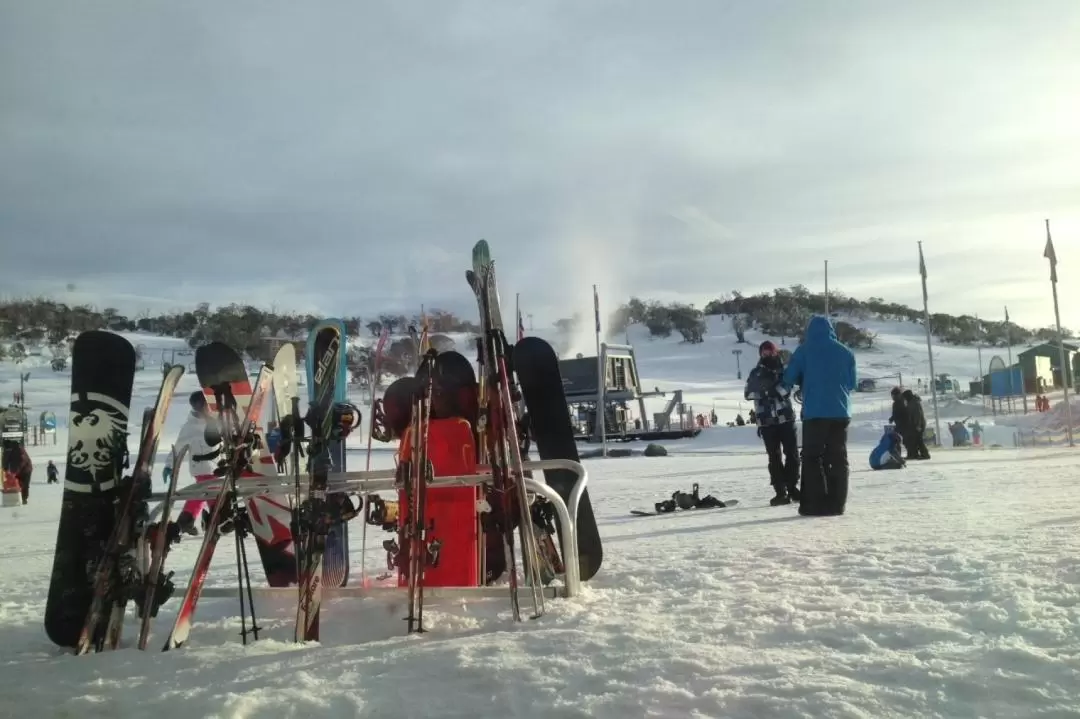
(102, 373)
(336, 555)
(728, 503)
(537, 369)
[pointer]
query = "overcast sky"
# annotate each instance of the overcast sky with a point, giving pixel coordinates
(343, 157)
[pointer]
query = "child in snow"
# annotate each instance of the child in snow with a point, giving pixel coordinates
(775, 418)
(201, 434)
(887, 454)
(52, 474)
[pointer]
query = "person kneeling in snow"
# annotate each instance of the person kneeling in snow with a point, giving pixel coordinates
(887, 454)
(776, 422)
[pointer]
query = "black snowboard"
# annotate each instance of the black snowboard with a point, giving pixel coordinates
(537, 369)
(102, 372)
(397, 404)
(217, 363)
(455, 387)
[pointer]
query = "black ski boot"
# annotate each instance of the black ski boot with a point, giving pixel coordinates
(186, 523)
(793, 493)
(781, 498)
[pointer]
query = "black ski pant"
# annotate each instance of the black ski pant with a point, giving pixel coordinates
(782, 446)
(24, 485)
(825, 467)
(915, 445)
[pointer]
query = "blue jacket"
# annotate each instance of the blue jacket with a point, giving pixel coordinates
(825, 370)
(887, 452)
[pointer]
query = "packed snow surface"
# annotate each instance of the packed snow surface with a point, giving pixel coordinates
(949, 589)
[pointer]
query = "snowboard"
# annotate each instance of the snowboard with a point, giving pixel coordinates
(271, 516)
(336, 556)
(102, 373)
(537, 369)
(325, 349)
(728, 503)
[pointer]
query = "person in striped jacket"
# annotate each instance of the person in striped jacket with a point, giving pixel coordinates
(776, 422)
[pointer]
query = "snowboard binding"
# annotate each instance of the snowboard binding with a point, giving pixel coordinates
(682, 501)
(383, 513)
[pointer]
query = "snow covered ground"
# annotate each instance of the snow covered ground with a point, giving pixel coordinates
(949, 589)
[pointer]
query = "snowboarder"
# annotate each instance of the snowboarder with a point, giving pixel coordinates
(917, 421)
(199, 433)
(17, 462)
(824, 370)
(887, 454)
(52, 474)
(683, 501)
(775, 417)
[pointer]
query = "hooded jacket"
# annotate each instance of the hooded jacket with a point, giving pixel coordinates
(887, 453)
(825, 370)
(916, 416)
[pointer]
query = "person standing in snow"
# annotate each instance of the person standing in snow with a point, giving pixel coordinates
(824, 370)
(202, 457)
(775, 418)
(901, 417)
(17, 462)
(917, 422)
(52, 474)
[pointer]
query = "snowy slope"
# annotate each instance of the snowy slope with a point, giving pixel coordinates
(949, 589)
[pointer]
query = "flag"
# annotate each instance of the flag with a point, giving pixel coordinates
(520, 327)
(1049, 254)
(1006, 315)
(922, 263)
(596, 307)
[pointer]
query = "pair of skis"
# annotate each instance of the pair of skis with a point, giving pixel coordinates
(219, 367)
(498, 427)
(118, 570)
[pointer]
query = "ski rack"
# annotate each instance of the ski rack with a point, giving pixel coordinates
(383, 480)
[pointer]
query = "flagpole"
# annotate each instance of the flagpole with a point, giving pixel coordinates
(517, 314)
(826, 288)
(978, 348)
(1066, 370)
(601, 408)
(929, 348)
(1008, 340)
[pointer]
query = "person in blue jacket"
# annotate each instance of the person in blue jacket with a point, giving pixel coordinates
(824, 369)
(887, 454)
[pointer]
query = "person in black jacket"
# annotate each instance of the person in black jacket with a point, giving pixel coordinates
(901, 418)
(776, 423)
(917, 422)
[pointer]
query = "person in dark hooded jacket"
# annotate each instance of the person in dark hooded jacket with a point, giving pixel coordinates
(901, 418)
(775, 418)
(824, 369)
(916, 444)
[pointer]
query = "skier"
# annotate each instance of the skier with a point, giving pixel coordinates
(201, 435)
(887, 454)
(776, 422)
(17, 462)
(917, 447)
(52, 474)
(824, 370)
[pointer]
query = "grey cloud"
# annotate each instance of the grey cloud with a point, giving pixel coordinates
(342, 157)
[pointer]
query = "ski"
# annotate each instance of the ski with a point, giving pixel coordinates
(117, 569)
(499, 427)
(219, 367)
(157, 540)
